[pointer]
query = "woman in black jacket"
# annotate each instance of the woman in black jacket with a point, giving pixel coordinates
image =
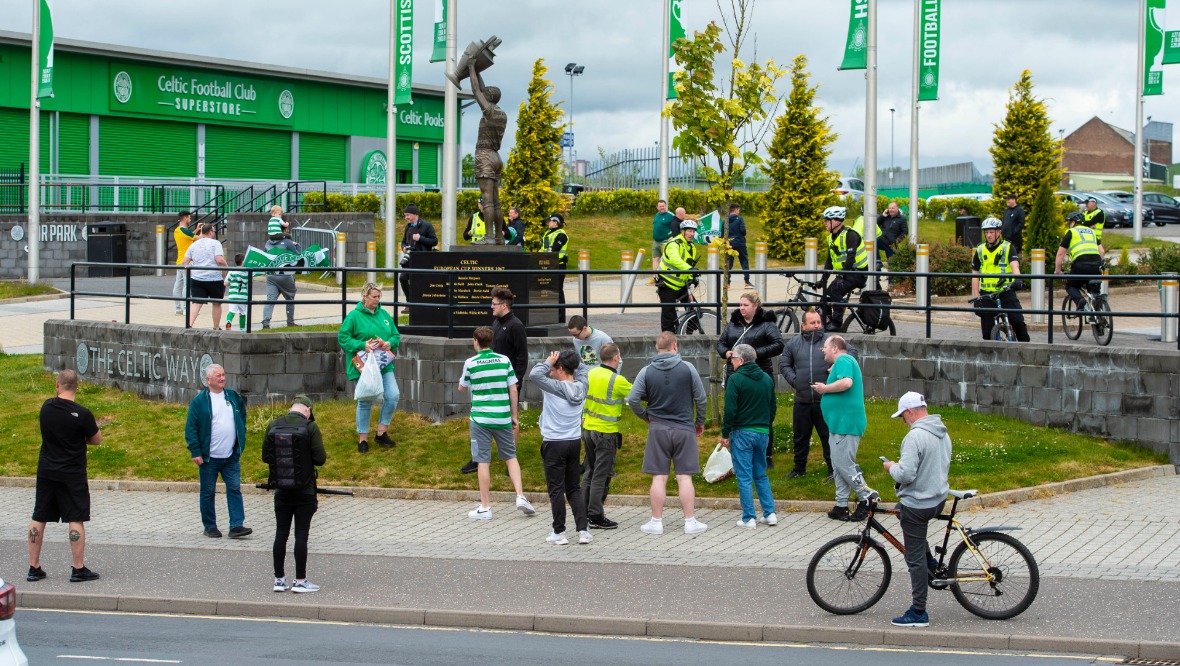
(751, 325)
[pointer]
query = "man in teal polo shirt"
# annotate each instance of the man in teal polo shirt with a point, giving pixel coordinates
(843, 404)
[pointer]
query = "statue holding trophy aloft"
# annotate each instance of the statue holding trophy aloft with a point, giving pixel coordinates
(488, 165)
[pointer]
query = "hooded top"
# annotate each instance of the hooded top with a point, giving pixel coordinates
(561, 414)
(663, 384)
(803, 364)
(920, 475)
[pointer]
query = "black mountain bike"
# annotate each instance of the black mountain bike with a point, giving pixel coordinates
(808, 294)
(696, 320)
(1094, 314)
(1001, 328)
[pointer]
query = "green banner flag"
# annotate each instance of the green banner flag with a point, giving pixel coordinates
(311, 257)
(708, 228)
(404, 67)
(439, 53)
(857, 49)
(1171, 29)
(929, 45)
(45, 57)
(1153, 48)
(676, 21)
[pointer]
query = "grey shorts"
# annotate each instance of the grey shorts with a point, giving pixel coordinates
(670, 446)
(481, 443)
(656, 247)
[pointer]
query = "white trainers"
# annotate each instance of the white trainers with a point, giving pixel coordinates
(694, 526)
(280, 585)
(524, 505)
(653, 526)
(770, 520)
(557, 539)
(585, 537)
(748, 524)
(304, 586)
(480, 513)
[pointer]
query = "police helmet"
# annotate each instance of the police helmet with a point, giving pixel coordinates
(1091, 200)
(991, 223)
(688, 224)
(835, 213)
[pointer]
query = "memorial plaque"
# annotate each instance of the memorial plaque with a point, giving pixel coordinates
(466, 277)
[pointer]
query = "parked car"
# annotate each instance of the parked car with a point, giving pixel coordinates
(1158, 208)
(851, 187)
(1117, 214)
(10, 652)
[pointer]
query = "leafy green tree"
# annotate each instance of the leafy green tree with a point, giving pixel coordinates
(1023, 149)
(801, 183)
(468, 167)
(1045, 223)
(533, 171)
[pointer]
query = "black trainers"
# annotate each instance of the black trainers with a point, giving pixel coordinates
(213, 533)
(470, 468)
(239, 532)
(81, 575)
(362, 446)
(386, 441)
(796, 473)
(36, 574)
(838, 513)
(603, 523)
(862, 512)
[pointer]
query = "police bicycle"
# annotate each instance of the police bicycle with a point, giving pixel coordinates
(1001, 328)
(696, 320)
(1095, 306)
(807, 295)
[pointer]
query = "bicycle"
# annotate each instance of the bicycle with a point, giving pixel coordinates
(1095, 304)
(696, 320)
(804, 298)
(991, 573)
(1001, 328)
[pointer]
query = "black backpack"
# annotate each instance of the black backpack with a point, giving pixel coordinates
(291, 467)
(875, 317)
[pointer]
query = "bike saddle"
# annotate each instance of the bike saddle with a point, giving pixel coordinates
(963, 494)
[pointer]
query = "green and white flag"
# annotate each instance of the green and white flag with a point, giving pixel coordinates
(929, 45)
(45, 56)
(1170, 23)
(676, 21)
(439, 53)
(857, 48)
(708, 228)
(404, 67)
(311, 257)
(1153, 47)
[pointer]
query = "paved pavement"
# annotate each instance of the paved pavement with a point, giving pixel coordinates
(1109, 556)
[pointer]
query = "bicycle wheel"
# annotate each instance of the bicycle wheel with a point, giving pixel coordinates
(1001, 332)
(1071, 321)
(845, 578)
(1102, 324)
(788, 322)
(1014, 576)
(697, 322)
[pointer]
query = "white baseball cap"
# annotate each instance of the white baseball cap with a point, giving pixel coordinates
(909, 401)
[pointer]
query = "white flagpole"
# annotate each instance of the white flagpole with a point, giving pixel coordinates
(870, 198)
(914, 125)
(1138, 165)
(667, 34)
(34, 235)
(450, 177)
(391, 145)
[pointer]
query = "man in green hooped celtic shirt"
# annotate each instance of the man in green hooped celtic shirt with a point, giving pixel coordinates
(235, 291)
(494, 417)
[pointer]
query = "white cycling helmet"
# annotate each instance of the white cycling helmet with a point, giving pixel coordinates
(835, 213)
(992, 223)
(689, 224)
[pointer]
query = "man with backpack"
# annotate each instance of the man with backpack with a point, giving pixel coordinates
(293, 447)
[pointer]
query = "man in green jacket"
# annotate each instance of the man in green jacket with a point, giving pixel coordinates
(215, 433)
(750, 408)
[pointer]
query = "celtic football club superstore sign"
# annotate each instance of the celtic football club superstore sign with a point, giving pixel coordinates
(200, 96)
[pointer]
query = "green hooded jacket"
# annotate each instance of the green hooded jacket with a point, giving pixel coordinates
(359, 327)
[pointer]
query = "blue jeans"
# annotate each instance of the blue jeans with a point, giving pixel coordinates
(748, 450)
(230, 470)
(364, 408)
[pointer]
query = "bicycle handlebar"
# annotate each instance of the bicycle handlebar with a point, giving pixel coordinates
(863, 490)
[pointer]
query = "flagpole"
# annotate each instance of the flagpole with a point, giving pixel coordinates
(34, 235)
(450, 177)
(1138, 165)
(870, 197)
(667, 34)
(914, 125)
(391, 145)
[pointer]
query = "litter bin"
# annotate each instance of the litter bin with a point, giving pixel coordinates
(572, 188)
(968, 230)
(107, 242)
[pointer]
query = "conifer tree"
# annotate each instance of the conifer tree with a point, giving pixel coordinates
(1045, 222)
(1023, 149)
(801, 183)
(532, 174)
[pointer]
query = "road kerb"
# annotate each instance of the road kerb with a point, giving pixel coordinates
(598, 626)
(713, 631)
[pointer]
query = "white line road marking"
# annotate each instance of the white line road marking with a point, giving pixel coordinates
(122, 659)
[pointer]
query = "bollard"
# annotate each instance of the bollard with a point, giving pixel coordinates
(870, 249)
(1169, 289)
(629, 280)
(712, 263)
(583, 279)
(1037, 285)
(1104, 289)
(921, 265)
(371, 260)
(160, 248)
(340, 256)
(761, 249)
(810, 257)
(627, 258)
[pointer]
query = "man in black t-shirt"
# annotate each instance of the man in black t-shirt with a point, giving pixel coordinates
(62, 493)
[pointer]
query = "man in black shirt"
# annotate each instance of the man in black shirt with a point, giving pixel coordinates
(509, 339)
(418, 236)
(1013, 223)
(62, 493)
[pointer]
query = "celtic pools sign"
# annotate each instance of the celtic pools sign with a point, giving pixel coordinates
(163, 91)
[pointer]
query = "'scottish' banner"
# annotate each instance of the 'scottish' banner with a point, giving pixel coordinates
(857, 48)
(929, 45)
(404, 67)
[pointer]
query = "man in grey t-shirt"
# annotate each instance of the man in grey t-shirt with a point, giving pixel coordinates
(588, 341)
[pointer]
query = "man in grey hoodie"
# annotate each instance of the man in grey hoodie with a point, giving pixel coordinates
(562, 380)
(920, 478)
(673, 429)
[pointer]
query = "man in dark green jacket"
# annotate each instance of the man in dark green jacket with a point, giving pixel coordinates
(215, 433)
(749, 412)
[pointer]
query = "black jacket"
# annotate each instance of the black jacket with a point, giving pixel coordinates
(762, 334)
(426, 236)
(892, 229)
(803, 364)
(1013, 224)
(510, 339)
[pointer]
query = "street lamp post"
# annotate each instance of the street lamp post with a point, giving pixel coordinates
(571, 70)
(892, 163)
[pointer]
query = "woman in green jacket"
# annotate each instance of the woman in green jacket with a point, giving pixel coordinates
(369, 328)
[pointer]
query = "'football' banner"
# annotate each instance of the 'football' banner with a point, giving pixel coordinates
(45, 56)
(439, 53)
(929, 45)
(1153, 49)
(857, 48)
(676, 20)
(404, 67)
(312, 257)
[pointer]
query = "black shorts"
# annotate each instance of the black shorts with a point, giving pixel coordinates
(62, 501)
(207, 289)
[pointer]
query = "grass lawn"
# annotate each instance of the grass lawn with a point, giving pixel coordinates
(143, 439)
(20, 288)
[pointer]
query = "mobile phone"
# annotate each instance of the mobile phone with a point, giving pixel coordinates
(884, 459)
